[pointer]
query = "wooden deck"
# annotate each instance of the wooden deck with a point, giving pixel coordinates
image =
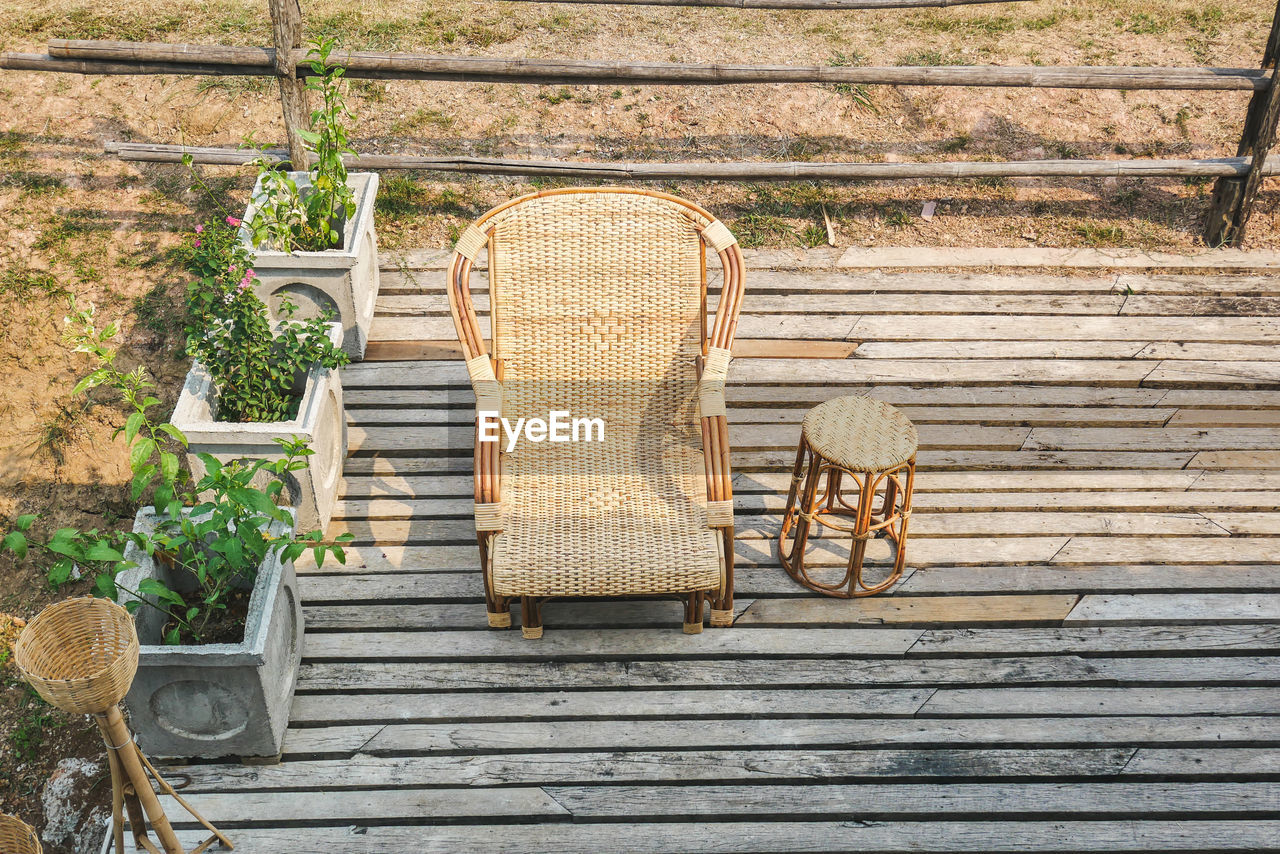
(1081, 656)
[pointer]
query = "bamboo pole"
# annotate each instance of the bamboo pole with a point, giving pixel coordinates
(286, 31)
(790, 4)
(1233, 197)
(736, 171)
(118, 738)
(410, 66)
(44, 62)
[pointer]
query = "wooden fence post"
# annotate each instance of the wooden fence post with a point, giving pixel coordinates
(286, 31)
(1233, 197)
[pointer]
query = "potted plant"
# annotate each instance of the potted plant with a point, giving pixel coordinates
(208, 573)
(254, 383)
(311, 232)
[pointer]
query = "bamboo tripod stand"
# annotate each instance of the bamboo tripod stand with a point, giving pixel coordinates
(81, 656)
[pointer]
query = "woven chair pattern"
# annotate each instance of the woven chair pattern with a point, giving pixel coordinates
(79, 654)
(18, 837)
(597, 310)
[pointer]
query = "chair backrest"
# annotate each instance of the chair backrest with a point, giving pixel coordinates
(598, 303)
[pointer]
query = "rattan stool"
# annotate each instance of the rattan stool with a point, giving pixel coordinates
(872, 445)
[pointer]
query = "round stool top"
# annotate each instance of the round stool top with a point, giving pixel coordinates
(860, 434)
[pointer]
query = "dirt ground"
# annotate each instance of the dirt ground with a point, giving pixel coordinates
(76, 222)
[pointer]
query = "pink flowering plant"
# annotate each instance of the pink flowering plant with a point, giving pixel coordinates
(258, 367)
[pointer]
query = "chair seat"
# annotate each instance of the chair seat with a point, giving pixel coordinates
(595, 528)
(623, 556)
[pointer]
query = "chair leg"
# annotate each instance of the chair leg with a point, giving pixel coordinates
(722, 604)
(531, 617)
(498, 607)
(693, 612)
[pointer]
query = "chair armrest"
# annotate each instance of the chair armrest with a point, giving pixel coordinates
(715, 437)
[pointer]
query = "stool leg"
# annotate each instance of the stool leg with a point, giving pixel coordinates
(900, 558)
(788, 515)
(832, 499)
(861, 525)
(890, 506)
(806, 502)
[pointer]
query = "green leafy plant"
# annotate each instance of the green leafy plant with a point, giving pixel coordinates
(255, 365)
(286, 216)
(215, 532)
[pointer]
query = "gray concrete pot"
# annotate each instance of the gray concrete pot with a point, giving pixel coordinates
(321, 420)
(215, 700)
(343, 280)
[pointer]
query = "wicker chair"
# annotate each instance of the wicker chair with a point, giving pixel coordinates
(598, 309)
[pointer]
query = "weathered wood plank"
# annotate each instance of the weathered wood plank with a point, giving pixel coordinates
(1050, 485)
(1179, 640)
(766, 580)
(1151, 550)
(459, 617)
(315, 742)
(1225, 418)
(711, 766)
(781, 281)
(1210, 306)
(924, 525)
(929, 460)
(924, 551)
(751, 504)
(1171, 283)
(455, 392)
(1202, 351)
(1235, 459)
(1030, 416)
(1154, 439)
(1105, 372)
(970, 327)
(913, 609)
(623, 642)
(1091, 578)
(1198, 700)
(1149, 609)
(844, 302)
(668, 704)
(341, 680)
(1236, 762)
(768, 837)
(1199, 374)
(1247, 523)
(950, 256)
(430, 440)
(241, 809)
(1007, 350)
(872, 802)
(1004, 609)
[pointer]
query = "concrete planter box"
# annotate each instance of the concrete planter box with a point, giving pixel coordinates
(215, 700)
(343, 280)
(321, 420)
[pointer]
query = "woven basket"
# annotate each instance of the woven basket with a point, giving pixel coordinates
(79, 654)
(17, 837)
